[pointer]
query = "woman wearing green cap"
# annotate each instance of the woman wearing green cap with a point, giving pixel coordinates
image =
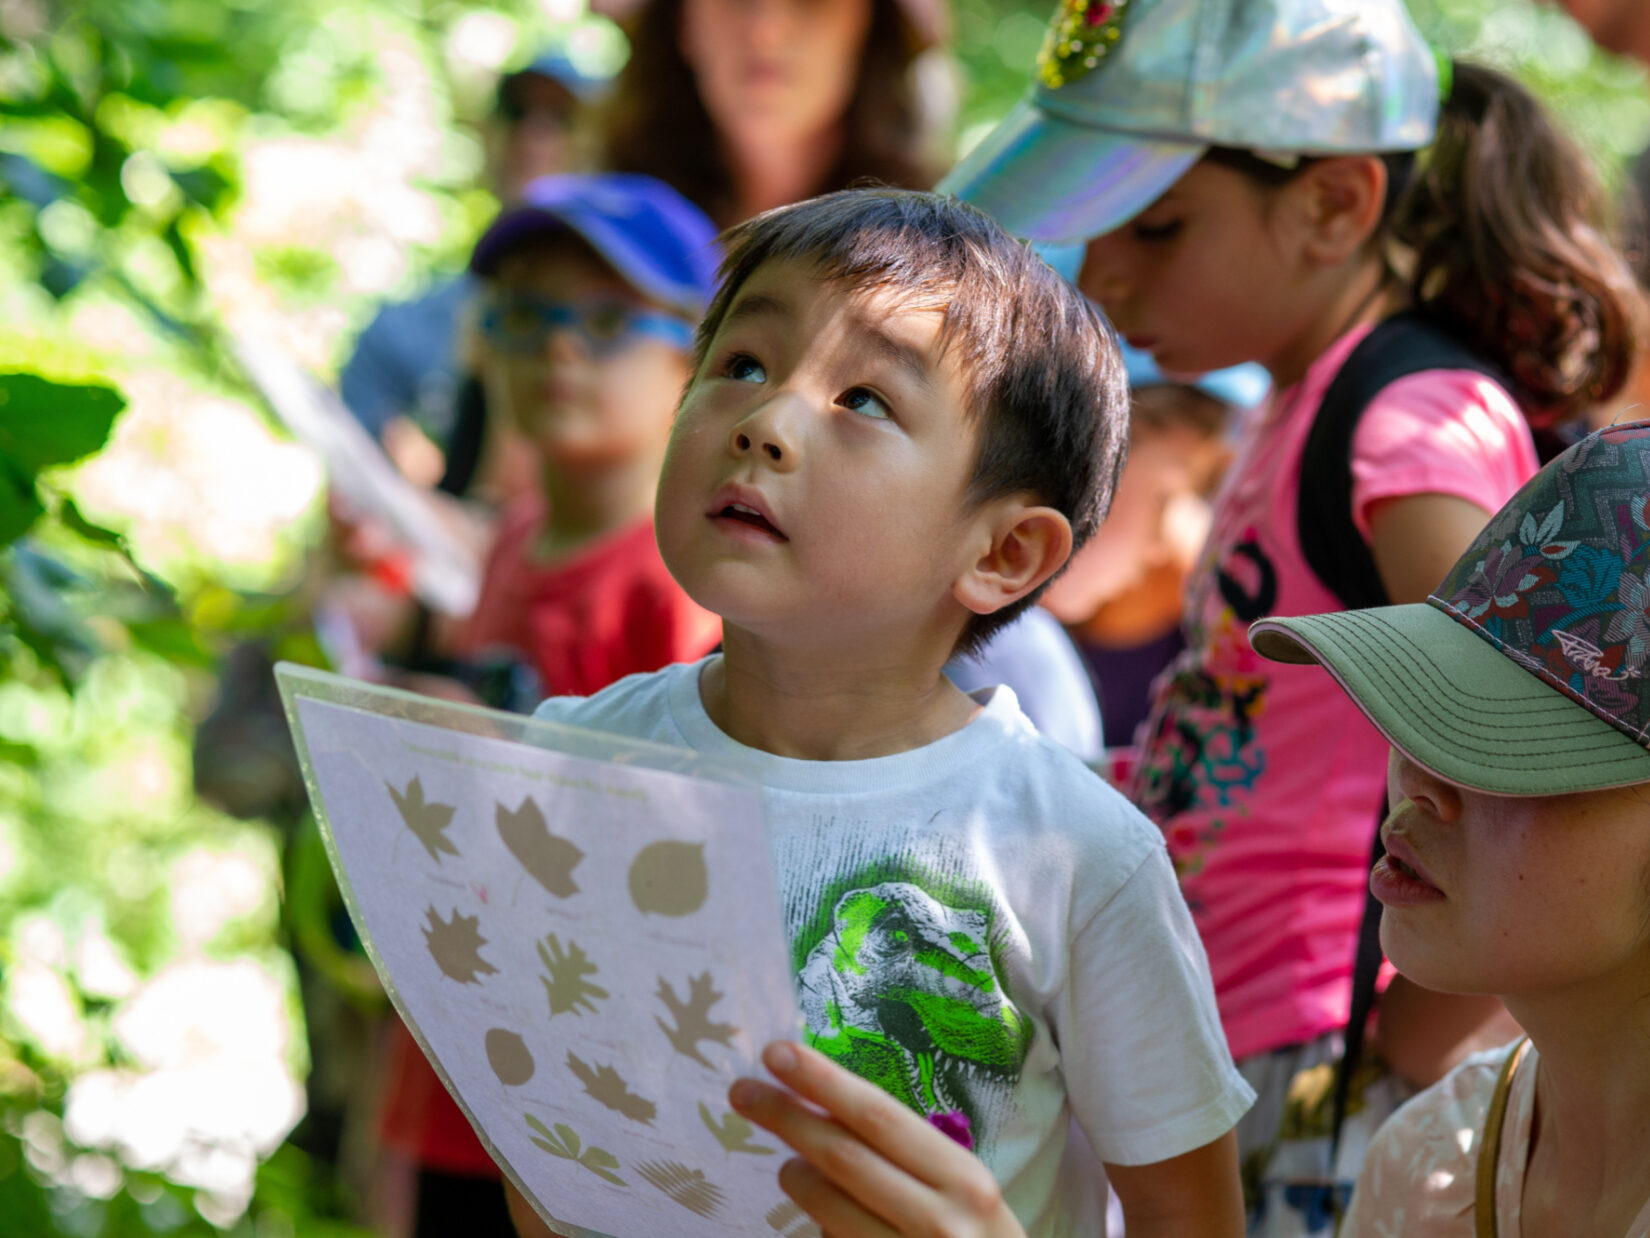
(1517, 703)
(1414, 251)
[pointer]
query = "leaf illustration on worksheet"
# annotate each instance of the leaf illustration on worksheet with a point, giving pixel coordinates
(732, 1132)
(428, 822)
(548, 858)
(564, 979)
(693, 1022)
(604, 1084)
(668, 878)
(686, 1186)
(565, 1143)
(456, 946)
(789, 1221)
(509, 1056)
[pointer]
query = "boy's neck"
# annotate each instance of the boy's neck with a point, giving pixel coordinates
(834, 705)
(587, 502)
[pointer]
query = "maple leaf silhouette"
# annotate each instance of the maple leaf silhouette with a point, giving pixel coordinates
(733, 1132)
(692, 1017)
(456, 946)
(428, 822)
(564, 982)
(604, 1084)
(548, 859)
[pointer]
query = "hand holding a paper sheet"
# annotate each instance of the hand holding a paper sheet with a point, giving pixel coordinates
(869, 1166)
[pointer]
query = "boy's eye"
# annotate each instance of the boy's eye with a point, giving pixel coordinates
(867, 403)
(1156, 230)
(518, 319)
(606, 322)
(745, 369)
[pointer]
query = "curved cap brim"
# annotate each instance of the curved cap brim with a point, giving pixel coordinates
(621, 250)
(1454, 704)
(1052, 180)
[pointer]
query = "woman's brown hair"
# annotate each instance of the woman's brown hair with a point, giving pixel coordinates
(1500, 229)
(658, 125)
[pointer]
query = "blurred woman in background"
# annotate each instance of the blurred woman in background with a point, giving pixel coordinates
(743, 105)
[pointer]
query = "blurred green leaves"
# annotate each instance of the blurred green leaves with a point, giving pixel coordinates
(43, 423)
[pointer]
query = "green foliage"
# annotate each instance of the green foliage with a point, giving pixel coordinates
(42, 424)
(128, 136)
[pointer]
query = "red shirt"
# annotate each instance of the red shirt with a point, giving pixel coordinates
(608, 611)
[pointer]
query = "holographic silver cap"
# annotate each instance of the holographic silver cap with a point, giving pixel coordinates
(1130, 93)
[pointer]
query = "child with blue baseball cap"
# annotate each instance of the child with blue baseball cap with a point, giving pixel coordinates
(1516, 700)
(592, 287)
(1416, 254)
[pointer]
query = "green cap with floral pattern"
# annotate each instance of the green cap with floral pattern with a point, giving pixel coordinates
(1528, 671)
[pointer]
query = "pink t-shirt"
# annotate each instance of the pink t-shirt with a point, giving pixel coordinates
(1265, 778)
(1420, 1177)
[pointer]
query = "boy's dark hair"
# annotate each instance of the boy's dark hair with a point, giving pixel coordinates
(1044, 376)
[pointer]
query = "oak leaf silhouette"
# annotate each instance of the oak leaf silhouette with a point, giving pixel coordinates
(604, 1084)
(428, 822)
(456, 946)
(692, 1017)
(564, 982)
(548, 858)
(733, 1132)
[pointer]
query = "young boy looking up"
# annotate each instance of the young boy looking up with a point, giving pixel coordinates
(899, 424)
(592, 286)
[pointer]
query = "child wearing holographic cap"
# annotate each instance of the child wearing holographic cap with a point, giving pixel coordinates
(1415, 253)
(1517, 703)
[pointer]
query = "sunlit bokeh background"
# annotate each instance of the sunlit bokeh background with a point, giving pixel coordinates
(173, 171)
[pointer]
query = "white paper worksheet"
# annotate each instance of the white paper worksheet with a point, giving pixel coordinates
(582, 932)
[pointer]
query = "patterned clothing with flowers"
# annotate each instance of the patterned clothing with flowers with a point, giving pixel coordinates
(1267, 785)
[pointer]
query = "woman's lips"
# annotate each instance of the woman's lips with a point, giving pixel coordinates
(1399, 879)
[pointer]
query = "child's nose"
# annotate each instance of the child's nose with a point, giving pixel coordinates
(769, 432)
(564, 342)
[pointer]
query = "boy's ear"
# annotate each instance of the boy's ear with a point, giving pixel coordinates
(1344, 198)
(1029, 543)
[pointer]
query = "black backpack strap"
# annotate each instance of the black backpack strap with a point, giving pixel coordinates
(1366, 969)
(1402, 345)
(1399, 346)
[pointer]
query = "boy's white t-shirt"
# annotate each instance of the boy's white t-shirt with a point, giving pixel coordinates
(983, 924)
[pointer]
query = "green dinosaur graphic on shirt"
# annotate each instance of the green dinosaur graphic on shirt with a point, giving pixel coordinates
(901, 989)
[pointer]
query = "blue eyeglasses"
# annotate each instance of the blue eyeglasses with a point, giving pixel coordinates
(521, 324)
